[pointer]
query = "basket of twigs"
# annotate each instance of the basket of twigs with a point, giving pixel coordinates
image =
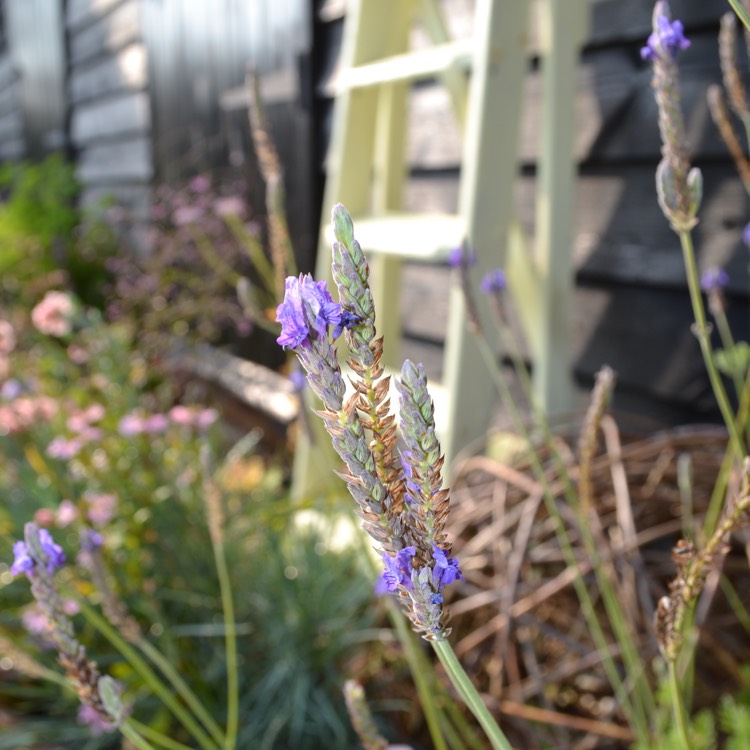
(567, 550)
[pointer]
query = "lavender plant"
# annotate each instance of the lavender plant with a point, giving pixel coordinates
(399, 493)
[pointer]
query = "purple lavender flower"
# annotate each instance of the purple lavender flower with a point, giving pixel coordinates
(462, 257)
(714, 279)
(307, 311)
(746, 235)
(48, 553)
(446, 568)
(668, 39)
(23, 562)
(494, 281)
(298, 380)
(398, 569)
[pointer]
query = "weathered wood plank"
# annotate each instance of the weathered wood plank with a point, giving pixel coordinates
(643, 334)
(620, 232)
(11, 125)
(116, 162)
(127, 113)
(121, 27)
(80, 12)
(124, 70)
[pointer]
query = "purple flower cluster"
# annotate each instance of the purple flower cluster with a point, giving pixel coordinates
(398, 571)
(667, 39)
(307, 311)
(493, 282)
(714, 279)
(48, 554)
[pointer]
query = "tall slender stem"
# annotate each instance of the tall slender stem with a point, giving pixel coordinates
(230, 644)
(678, 705)
(134, 736)
(738, 8)
(159, 689)
(470, 696)
(704, 339)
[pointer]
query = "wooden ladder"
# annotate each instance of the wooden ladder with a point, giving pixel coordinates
(366, 171)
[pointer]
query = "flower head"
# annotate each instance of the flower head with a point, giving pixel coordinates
(52, 316)
(39, 548)
(398, 569)
(446, 568)
(23, 562)
(307, 311)
(666, 40)
(493, 281)
(714, 279)
(462, 257)
(7, 337)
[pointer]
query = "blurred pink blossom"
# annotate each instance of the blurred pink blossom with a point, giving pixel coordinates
(101, 507)
(186, 215)
(63, 448)
(131, 424)
(200, 184)
(181, 415)
(66, 513)
(52, 316)
(155, 423)
(205, 418)
(229, 206)
(98, 725)
(7, 337)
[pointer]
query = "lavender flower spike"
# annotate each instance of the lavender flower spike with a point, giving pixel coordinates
(39, 557)
(307, 312)
(679, 187)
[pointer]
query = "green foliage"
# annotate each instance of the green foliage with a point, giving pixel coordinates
(44, 238)
(39, 210)
(302, 604)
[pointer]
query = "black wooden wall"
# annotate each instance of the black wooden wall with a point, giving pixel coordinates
(198, 53)
(631, 307)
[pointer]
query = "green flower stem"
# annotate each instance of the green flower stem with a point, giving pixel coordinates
(678, 706)
(134, 736)
(470, 696)
(182, 689)
(230, 645)
(159, 689)
(701, 327)
(739, 9)
(157, 738)
(636, 713)
(419, 673)
(629, 649)
(728, 343)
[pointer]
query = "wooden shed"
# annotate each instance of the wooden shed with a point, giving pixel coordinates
(140, 91)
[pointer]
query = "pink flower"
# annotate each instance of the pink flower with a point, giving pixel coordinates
(7, 337)
(186, 215)
(97, 724)
(131, 424)
(63, 448)
(205, 418)
(155, 423)
(66, 513)
(101, 507)
(229, 206)
(181, 415)
(52, 316)
(200, 184)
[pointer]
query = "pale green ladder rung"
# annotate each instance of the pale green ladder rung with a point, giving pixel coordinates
(410, 66)
(419, 237)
